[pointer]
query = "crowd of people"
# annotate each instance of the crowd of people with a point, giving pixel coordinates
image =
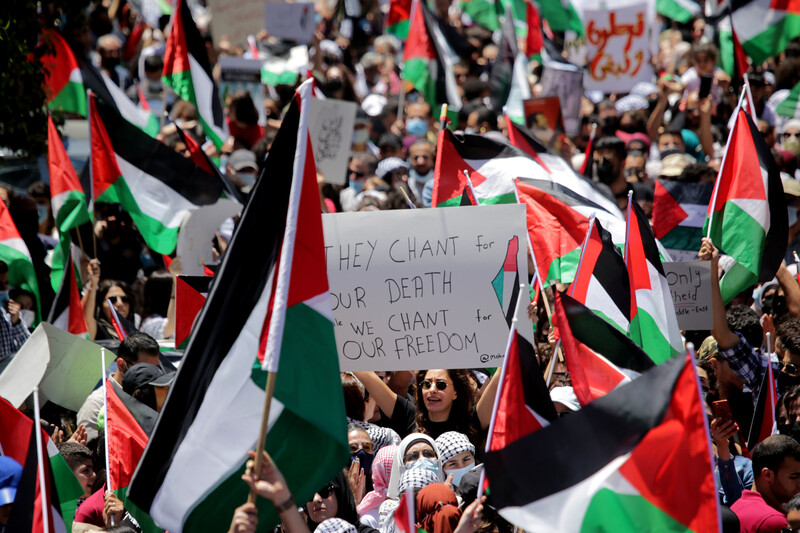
(425, 431)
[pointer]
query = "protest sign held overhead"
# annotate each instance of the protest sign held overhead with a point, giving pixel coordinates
(424, 289)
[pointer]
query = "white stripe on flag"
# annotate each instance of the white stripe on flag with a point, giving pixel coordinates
(697, 215)
(204, 94)
(754, 18)
(18, 245)
(133, 114)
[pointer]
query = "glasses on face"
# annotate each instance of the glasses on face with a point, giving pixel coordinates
(356, 446)
(325, 491)
(118, 299)
(440, 384)
(357, 173)
(633, 171)
(788, 368)
(413, 456)
(788, 134)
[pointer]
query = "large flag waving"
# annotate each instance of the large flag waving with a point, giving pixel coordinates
(508, 82)
(679, 210)
(15, 254)
(67, 311)
(747, 216)
(428, 59)
(599, 357)
(601, 280)
(397, 20)
(63, 80)
(654, 324)
(647, 465)
(188, 71)
(765, 27)
(155, 185)
(272, 284)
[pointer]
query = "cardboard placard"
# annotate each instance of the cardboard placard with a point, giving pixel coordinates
(690, 286)
(567, 84)
(543, 117)
(432, 288)
(293, 22)
(240, 73)
(235, 19)
(330, 123)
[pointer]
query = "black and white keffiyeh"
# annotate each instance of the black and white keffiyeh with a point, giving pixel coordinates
(335, 525)
(453, 443)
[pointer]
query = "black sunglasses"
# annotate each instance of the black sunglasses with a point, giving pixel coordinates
(413, 456)
(325, 491)
(788, 368)
(427, 384)
(357, 173)
(123, 299)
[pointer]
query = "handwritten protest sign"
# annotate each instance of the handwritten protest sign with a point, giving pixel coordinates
(690, 286)
(416, 289)
(293, 22)
(330, 123)
(617, 41)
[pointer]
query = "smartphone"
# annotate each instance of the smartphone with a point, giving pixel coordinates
(705, 85)
(722, 409)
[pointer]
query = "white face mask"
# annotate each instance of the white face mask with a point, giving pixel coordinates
(425, 463)
(458, 473)
(360, 136)
(27, 317)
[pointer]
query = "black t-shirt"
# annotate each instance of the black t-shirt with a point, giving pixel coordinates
(402, 419)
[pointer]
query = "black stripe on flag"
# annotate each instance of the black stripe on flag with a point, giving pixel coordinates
(612, 274)
(578, 446)
(537, 397)
(564, 194)
(241, 280)
(648, 238)
(503, 67)
(156, 159)
(61, 301)
(778, 233)
(144, 415)
(446, 85)
(603, 338)
(478, 147)
(689, 193)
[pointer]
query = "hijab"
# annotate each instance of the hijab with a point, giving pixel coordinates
(381, 473)
(398, 467)
(437, 509)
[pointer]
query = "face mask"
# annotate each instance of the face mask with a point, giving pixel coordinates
(425, 464)
(421, 178)
(364, 460)
(109, 63)
(610, 125)
(334, 85)
(786, 382)
(41, 211)
(417, 127)
(792, 144)
(356, 186)
(223, 164)
(470, 130)
(792, 215)
(605, 171)
(249, 178)
(360, 136)
(4, 298)
(155, 86)
(27, 317)
(458, 473)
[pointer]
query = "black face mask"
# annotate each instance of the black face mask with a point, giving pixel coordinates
(610, 125)
(793, 430)
(333, 85)
(365, 460)
(786, 382)
(605, 171)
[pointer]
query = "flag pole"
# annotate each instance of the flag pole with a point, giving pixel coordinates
(407, 197)
(712, 206)
(401, 98)
(37, 427)
(471, 187)
(91, 171)
(499, 391)
(552, 365)
(105, 421)
(262, 432)
(750, 104)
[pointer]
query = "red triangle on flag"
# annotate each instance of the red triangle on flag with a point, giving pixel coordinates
(418, 43)
(188, 303)
(667, 212)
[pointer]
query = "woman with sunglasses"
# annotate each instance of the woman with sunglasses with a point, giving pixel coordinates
(95, 304)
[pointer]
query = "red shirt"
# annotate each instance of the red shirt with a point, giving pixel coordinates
(755, 516)
(91, 510)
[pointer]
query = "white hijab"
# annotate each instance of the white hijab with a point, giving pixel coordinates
(398, 467)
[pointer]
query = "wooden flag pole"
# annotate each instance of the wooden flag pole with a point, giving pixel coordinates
(37, 427)
(262, 432)
(80, 241)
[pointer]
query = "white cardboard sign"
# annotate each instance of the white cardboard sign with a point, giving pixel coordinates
(690, 286)
(330, 123)
(293, 22)
(432, 288)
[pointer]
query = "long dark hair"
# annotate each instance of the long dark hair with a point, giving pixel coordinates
(102, 294)
(157, 294)
(461, 410)
(345, 502)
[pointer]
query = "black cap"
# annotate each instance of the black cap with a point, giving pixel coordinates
(144, 374)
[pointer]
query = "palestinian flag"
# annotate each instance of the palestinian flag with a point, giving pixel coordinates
(679, 10)
(679, 210)
(508, 81)
(764, 423)
(18, 441)
(601, 280)
(647, 467)
(270, 297)
(587, 168)
(188, 71)
(561, 16)
(506, 282)
(534, 41)
(67, 200)
(765, 27)
(428, 60)
(523, 403)
(63, 80)
(122, 327)
(790, 107)
(190, 296)
(397, 20)
(129, 425)
(747, 216)
(522, 138)
(67, 311)
(599, 357)
(482, 12)
(155, 185)
(283, 69)
(654, 325)
(404, 515)
(203, 161)
(14, 253)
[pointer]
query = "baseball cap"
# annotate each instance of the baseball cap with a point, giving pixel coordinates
(144, 374)
(673, 164)
(10, 474)
(241, 159)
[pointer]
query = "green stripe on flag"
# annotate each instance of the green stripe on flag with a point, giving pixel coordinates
(181, 83)
(71, 99)
(399, 30)
(146, 523)
(482, 12)
(622, 513)
(646, 333)
(68, 488)
(679, 10)
(418, 71)
(22, 274)
(508, 198)
(683, 238)
(564, 268)
(774, 39)
(155, 234)
(287, 77)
